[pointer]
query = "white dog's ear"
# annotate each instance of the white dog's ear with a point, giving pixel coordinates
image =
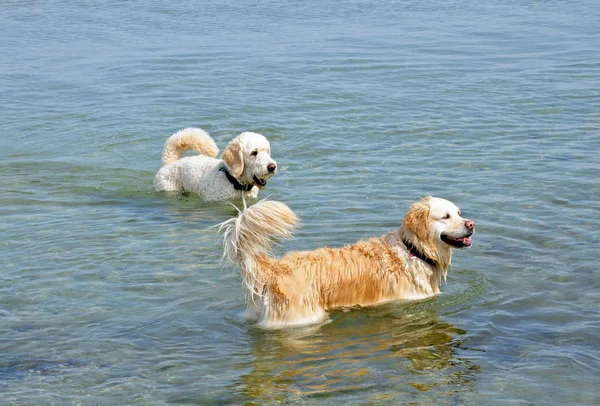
(417, 219)
(234, 158)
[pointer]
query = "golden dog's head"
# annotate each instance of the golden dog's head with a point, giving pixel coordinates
(435, 226)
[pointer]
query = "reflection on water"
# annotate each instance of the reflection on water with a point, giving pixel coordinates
(364, 354)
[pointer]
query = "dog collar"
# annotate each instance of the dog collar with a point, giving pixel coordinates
(236, 185)
(415, 253)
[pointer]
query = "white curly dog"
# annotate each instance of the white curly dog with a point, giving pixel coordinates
(244, 167)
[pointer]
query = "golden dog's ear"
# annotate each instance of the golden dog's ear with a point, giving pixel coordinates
(234, 158)
(417, 219)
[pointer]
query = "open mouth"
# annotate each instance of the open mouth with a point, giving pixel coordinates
(261, 183)
(457, 242)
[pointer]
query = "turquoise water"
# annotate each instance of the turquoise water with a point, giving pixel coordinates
(113, 294)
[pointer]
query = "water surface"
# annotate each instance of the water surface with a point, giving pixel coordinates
(113, 294)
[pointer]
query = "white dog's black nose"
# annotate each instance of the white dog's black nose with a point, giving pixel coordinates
(271, 167)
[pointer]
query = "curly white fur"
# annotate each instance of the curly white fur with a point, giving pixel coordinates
(247, 158)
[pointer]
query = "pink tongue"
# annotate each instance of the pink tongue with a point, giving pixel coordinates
(466, 240)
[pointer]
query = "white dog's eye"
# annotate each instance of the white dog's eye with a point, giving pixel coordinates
(254, 153)
(446, 216)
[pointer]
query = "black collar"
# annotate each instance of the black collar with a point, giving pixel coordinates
(236, 185)
(413, 251)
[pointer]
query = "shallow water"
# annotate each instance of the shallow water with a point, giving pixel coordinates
(113, 294)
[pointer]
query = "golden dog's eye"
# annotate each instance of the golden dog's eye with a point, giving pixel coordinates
(254, 153)
(446, 216)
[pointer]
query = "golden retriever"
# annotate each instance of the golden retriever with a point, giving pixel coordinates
(244, 167)
(301, 287)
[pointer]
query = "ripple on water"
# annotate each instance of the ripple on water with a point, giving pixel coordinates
(110, 292)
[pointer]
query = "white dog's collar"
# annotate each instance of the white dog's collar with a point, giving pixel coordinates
(236, 184)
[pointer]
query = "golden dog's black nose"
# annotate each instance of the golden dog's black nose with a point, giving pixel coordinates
(271, 167)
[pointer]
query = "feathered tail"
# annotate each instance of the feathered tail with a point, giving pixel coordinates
(188, 138)
(251, 235)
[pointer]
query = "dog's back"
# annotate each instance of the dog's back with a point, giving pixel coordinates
(170, 177)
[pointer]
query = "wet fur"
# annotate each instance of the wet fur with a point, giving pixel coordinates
(301, 287)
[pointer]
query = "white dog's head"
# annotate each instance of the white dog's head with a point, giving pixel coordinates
(434, 226)
(248, 158)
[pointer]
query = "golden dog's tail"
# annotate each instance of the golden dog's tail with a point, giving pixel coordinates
(251, 234)
(188, 138)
